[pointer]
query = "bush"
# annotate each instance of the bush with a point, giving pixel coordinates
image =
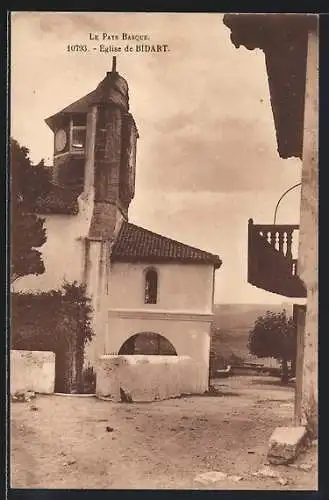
(88, 380)
(58, 321)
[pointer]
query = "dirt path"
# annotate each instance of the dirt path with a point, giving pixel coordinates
(166, 444)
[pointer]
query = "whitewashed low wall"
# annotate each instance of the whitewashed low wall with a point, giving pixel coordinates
(32, 371)
(149, 378)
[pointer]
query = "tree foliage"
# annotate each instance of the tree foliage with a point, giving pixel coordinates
(274, 335)
(27, 229)
(57, 314)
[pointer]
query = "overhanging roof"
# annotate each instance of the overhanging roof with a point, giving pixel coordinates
(283, 38)
(136, 244)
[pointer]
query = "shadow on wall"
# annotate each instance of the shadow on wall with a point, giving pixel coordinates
(148, 343)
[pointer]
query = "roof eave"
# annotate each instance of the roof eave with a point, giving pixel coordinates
(51, 122)
(218, 264)
(283, 38)
(165, 260)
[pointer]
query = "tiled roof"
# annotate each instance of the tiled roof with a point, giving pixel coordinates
(136, 244)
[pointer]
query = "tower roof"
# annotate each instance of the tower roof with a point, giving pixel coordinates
(112, 89)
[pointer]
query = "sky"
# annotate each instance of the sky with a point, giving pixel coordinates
(207, 157)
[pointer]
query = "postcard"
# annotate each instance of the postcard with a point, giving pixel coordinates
(164, 236)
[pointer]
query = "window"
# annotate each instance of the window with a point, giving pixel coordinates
(151, 286)
(78, 138)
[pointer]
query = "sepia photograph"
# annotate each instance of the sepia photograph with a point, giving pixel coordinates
(164, 251)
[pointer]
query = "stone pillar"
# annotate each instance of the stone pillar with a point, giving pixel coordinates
(90, 150)
(93, 279)
(307, 404)
(299, 313)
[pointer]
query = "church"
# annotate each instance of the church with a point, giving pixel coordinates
(140, 282)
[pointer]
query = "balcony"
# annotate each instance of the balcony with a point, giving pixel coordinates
(271, 265)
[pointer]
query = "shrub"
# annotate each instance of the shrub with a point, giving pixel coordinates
(58, 321)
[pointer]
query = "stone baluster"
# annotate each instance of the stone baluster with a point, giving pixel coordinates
(289, 244)
(281, 241)
(269, 237)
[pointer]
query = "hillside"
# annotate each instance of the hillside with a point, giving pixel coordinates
(232, 323)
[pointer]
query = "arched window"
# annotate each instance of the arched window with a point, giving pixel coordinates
(151, 286)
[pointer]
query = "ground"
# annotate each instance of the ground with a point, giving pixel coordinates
(85, 443)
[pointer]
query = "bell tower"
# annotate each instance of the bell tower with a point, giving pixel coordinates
(95, 142)
(95, 152)
(111, 154)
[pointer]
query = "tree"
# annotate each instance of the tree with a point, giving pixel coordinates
(274, 335)
(27, 229)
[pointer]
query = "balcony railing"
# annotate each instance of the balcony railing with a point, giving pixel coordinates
(271, 265)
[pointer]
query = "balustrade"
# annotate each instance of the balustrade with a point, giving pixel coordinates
(271, 263)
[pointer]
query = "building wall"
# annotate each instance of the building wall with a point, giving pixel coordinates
(183, 313)
(63, 252)
(307, 387)
(188, 333)
(181, 287)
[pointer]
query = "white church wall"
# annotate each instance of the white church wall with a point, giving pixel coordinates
(63, 252)
(183, 312)
(181, 287)
(148, 378)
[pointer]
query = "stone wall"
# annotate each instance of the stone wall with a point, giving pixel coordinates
(32, 371)
(148, 378)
